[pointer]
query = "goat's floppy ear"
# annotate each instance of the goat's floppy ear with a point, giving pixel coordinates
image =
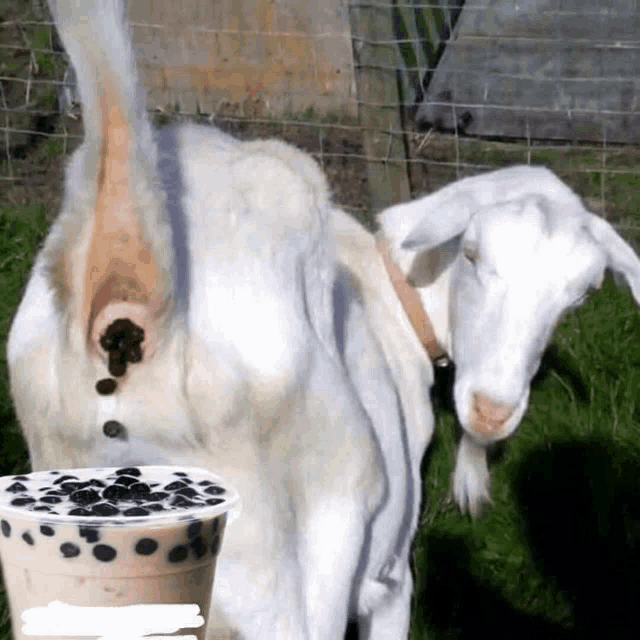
(621, 258)
(114, 255)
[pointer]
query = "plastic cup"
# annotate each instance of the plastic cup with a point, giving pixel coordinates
(166, 556)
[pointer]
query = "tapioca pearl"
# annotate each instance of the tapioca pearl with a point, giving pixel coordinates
(85, 496)
(104, 552)
(154, 506)
(104, 509)
(174, 486)
(80, 511)
(28, 538)
(215, 545)
(16, 487)
(156, 496)
(90, 534)
(116, 492)
(41, 507)
(194, 529)
(6, 528)
(215, 525)
(187, 491)
(70, 487)
(129, 471)
(46, 530)
(20, 478)
(69, 550)
(205, 483)
(126, 481)
(199, 546)
(182, 501)
(215, 490)
(139, 490)
(179, 553)
(94, 482)
(180, 473)
(50, 500)
(53, 492)
(22, 502)
(214, 501)
(135, 511)
(146, 546)
(62, 479)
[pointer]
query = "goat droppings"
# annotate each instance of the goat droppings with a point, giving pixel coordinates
(114, 429)
(106, 386)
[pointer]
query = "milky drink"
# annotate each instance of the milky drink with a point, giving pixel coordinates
(111, 537)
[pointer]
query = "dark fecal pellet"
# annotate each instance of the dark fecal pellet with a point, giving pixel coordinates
(181, 501)
(114, 429)
(117, 364)
(137, 333)
(6, 528)
(106, 386)
(139, 490)
(135, 511)
(80, 511)
(90, 534)
(104, 509)
(179, 553)
(50, 500)
(174, 486)
(215, 490)
(187, 492)
(21, 502)
(194, 529)
(42, 507)
(85, 496)
(129, 471)
(104, 552)
(156, 496)
(62, 479)
(69, 550)
(16, 487)
(146, 546)
(28, 538)
(154, 506)
(46, 530)
(126, 481)
(116, 492)
(214, 501)
(134, 355)
(199, 546)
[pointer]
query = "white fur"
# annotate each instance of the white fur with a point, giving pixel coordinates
(498, 260)
(302, 387)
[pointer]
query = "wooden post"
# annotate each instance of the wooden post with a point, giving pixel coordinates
(378, 64)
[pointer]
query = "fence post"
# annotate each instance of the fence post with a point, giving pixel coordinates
(379, 101)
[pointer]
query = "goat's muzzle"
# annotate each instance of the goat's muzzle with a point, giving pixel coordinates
(487, 416)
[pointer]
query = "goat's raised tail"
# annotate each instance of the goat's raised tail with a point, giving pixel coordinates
(110, 255)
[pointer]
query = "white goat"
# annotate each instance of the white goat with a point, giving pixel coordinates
(258, 360)
(496, 261)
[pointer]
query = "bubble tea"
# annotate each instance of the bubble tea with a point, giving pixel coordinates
(111, 537)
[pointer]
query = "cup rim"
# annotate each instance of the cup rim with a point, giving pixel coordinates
(230, 506)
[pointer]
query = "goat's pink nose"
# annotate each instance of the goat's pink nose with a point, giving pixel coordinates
(487, 416)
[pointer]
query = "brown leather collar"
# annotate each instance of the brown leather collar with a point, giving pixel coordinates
(412, 305)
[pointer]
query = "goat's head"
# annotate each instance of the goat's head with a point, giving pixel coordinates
(522, 251)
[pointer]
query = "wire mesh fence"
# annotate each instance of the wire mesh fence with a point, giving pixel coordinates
(424, 93)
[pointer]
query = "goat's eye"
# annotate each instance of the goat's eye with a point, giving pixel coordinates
(470, 254)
